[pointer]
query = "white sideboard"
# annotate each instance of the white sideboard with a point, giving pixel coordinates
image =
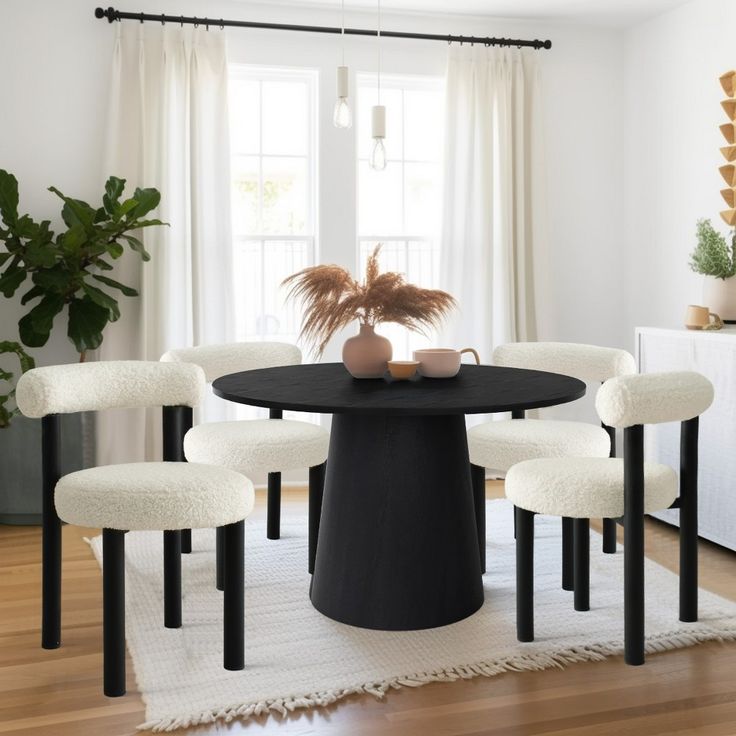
(714, 355)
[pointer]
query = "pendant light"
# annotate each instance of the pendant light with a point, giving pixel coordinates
(342, 117)
(377, 160)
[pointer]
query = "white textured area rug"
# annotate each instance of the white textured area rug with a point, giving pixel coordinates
(298, 658)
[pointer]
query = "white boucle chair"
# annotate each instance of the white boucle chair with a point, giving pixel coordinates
(161, 496)
(498, 445)
(258, 446)
(581, 488)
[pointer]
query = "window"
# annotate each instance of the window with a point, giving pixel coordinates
(273, 165)
(400, 206)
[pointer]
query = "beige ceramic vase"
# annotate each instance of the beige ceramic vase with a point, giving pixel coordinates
(719, 295)
(367, 354)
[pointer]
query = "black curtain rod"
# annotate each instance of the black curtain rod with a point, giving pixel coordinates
(112, 15)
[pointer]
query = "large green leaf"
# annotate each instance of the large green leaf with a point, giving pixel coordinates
(113, 189)
(34, 328)
(126, 290)
(41, 255)
(114, 249)
(103, 300)
(8, 198)
(33, 293)
(57, 279)
(137, 246)
(74, 237)
(12, 278)
(148, 199)
(122, 209)
(87, 320)
(75, 211)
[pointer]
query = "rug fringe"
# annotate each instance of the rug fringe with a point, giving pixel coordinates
(517, 663)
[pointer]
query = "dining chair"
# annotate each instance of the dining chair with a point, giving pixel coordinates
(160, 496)
(584, 488)
(498, 445)
(256, 446)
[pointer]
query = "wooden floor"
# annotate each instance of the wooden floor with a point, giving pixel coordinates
(59, 693)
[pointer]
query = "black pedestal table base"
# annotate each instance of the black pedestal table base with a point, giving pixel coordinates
(398, 546)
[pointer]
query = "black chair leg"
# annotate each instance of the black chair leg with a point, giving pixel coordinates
(113, 604)
(634, 545)
(186, 541)
(316, 490)
(689, 520)
(524, 575)
(220, 557)
(478, 476)
(273, 512)
(234, 598)
(609, 536)
(568, 574)
(172, 579)
(51, 535)
(581, 564)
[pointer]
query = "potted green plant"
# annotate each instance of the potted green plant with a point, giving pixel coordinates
(715, 258)
(67, 273)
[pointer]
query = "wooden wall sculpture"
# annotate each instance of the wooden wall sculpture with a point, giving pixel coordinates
(728, 171)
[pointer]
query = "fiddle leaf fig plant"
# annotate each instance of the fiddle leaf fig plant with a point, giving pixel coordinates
(6, 396)
(67, 269)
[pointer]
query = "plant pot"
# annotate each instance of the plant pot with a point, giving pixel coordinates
(719, 295)
(20, 464)
(367, 354)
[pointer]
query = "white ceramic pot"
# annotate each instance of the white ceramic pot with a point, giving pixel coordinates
(367, 354)
(719, 295)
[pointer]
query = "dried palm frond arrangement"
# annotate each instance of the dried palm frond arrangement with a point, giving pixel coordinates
(333, 299)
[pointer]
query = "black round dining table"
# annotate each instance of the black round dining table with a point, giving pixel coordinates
(398, 542)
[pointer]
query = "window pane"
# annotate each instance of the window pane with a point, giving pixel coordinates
(244, 102)
(391, 99)
(422, 198)
(379, 195)
(245, 194)
(285, 206)
(283, 258)
(423, 113)
(249, 288)
(285, 118)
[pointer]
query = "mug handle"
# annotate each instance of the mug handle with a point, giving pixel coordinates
(475, 354)
(717, 322)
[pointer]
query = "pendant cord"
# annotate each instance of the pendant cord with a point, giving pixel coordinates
(342, 32)
(378, 36)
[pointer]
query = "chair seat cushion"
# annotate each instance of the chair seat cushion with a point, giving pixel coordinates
(585, 487)
(499, 445)
(154, 496)
(258, 445)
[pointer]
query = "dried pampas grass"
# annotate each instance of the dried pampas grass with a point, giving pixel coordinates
(333, 299)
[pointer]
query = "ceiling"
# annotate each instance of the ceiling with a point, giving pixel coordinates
(607, 13)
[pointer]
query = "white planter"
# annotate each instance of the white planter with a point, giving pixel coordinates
(719, 295)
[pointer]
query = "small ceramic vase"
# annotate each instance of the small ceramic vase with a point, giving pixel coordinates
(720, 296)
(367, 354)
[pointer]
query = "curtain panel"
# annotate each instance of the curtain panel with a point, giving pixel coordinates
(168, 128)
(491, 178)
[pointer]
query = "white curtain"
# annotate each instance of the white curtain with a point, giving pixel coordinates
(491, 172)
(168, 128)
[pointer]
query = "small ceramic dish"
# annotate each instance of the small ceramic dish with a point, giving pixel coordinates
(402, 369)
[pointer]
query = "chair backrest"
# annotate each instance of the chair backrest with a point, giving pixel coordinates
(127, 384)
(233, 357)
(590, 363)
(653, 398)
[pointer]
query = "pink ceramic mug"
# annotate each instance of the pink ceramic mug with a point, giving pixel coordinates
(441, 362)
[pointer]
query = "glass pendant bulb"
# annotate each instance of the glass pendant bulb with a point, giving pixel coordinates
(342, 117)
(377, 160)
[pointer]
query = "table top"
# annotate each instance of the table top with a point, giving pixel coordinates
(327, 388)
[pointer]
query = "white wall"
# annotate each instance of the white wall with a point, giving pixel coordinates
(52, 131)
(672, 114)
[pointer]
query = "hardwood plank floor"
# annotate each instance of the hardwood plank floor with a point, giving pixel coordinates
(58, 693)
